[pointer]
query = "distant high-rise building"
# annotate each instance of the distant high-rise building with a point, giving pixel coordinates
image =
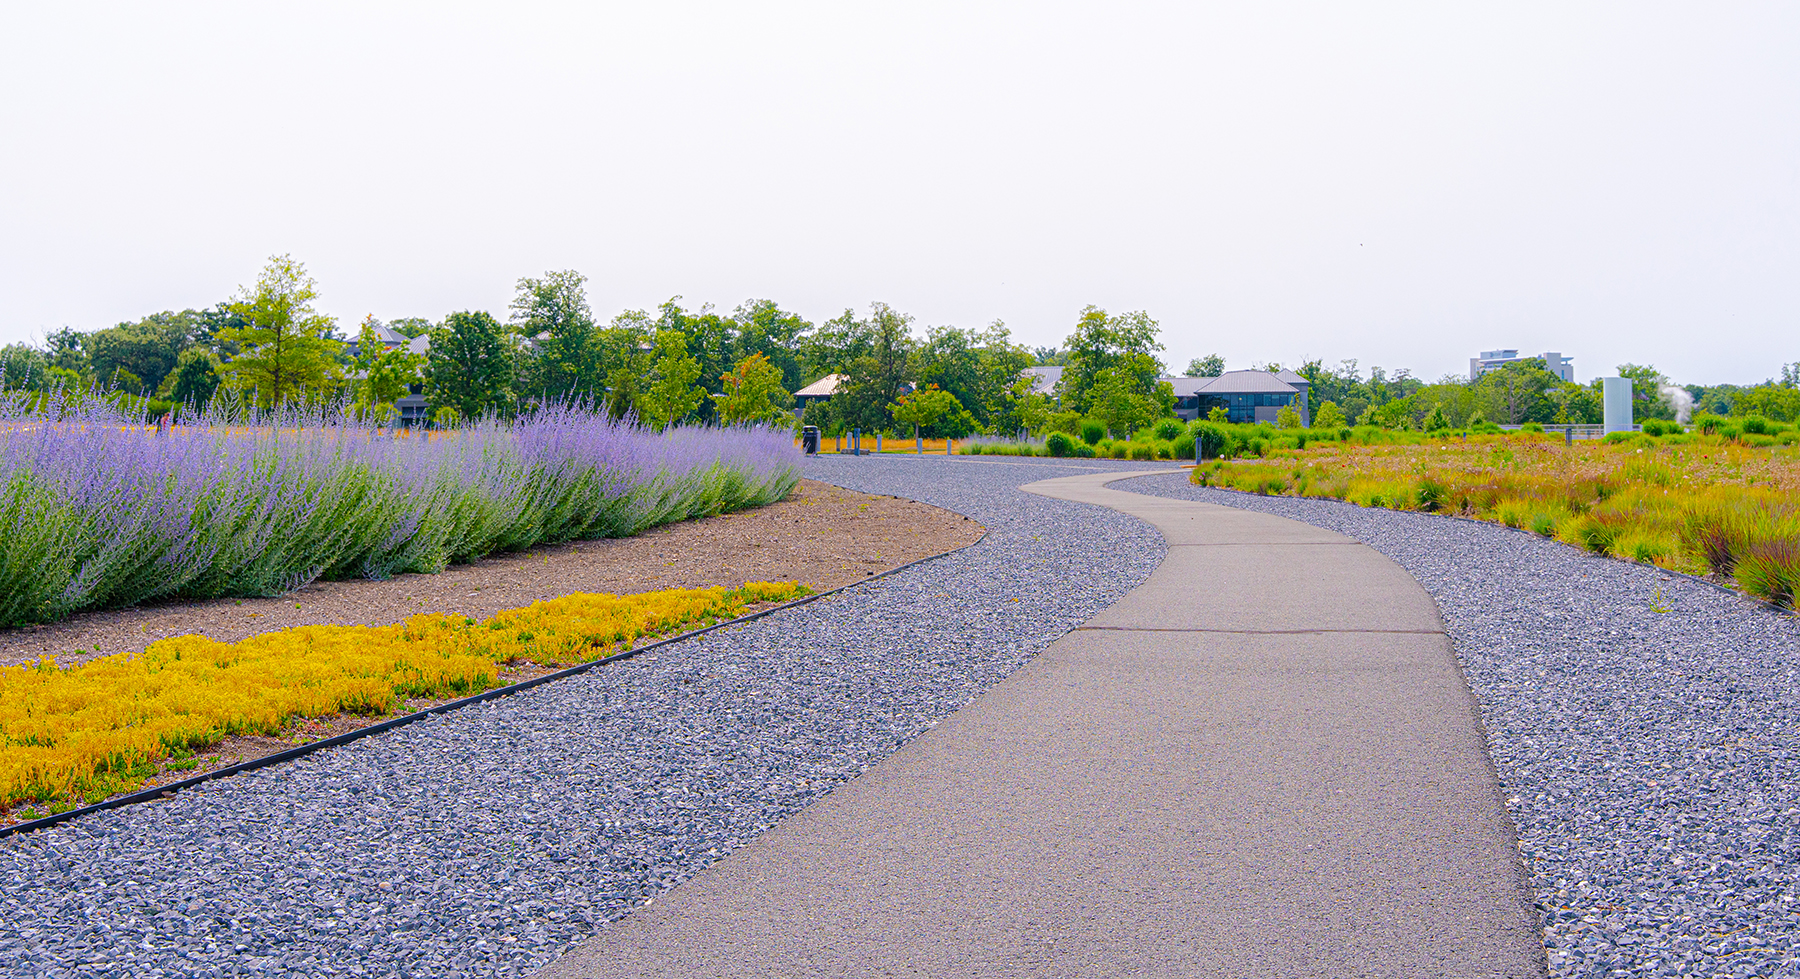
(1555, 363)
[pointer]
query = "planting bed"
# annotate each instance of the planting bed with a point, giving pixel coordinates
(821, 535)
(1645, 726)
(484, 841)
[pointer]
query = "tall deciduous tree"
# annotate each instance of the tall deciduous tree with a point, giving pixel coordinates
(1211, 365)
(670, 393)
(194, 379)
(285, 348)
(553, 312)
(68, 352)
(923, 407)
(1117, 399)
(469, 367)
(979, 367)
(22, 367)
(877, 378)
(752, 393)
(147, 348)
(1516, 392)
(1101, 342)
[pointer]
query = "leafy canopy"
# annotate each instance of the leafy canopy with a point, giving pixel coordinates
(670, 393)
(470, 366)
(923, 407)
(752, 393)
(285, 348)
(1211, 365)
(1101, 342)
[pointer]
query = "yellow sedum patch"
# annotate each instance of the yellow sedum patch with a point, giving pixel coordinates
(100, 727)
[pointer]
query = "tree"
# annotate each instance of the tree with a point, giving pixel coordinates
(1576, 404)
(1436, 421)
(22, 368)
(1516, 391)
(1287, 417)
(126, 381)
(752, 393)
(1776, 402)
(619, 354)
(1117, 402)
(386, 374)
(470, 367)
(285, 348)
(1211, 365)
(411, 327)
(553, 312)
(1219, 415)
(1328, 415)
(922, 408)
(670, 393)
(1100, 342)
(878, 377)
(67, 351)
(194, 379)
(1048, 357)
(1648, 399)
(979, 367)
(765, 328)
(147, 348)
(1024, 408)
(835, 345)
(1397, 413)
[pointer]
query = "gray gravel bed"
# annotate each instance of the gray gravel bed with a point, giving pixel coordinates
(1645, 725)
(486, 840)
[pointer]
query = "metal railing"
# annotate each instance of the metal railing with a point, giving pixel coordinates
(1573, 432)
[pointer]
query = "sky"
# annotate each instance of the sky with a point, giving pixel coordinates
(1403, 184)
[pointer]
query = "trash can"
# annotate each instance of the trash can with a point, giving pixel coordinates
(809, 440)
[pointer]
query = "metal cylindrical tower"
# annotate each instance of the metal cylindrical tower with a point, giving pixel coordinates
(1615, 397)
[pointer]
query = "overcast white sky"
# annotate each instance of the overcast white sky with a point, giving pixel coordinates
(1403, 184)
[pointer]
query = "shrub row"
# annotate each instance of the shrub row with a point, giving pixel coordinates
(97, 511)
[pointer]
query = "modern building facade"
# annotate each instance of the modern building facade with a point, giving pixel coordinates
(1246, 396)
(1555, 363)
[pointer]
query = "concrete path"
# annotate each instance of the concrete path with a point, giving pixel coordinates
(1261, 762)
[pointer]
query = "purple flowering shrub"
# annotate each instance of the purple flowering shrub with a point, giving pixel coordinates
(99, 511)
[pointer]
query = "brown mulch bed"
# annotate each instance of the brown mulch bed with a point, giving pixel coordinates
(822, 535)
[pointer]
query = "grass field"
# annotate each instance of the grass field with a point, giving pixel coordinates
(1707, 504)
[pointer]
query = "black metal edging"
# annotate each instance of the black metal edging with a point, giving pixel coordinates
(300, 751)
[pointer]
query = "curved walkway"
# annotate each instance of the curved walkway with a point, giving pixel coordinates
(1263, 761)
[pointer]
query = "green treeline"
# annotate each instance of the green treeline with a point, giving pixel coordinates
(269, 344)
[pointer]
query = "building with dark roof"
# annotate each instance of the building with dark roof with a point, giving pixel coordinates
(1246, 396)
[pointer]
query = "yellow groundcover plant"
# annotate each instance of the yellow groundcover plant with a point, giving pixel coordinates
(100, 727)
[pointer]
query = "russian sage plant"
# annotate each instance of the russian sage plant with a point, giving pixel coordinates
(97, 511)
